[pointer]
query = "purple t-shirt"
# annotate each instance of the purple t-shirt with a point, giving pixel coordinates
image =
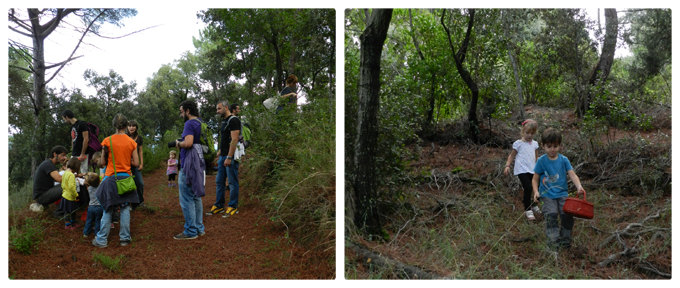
(191, 127)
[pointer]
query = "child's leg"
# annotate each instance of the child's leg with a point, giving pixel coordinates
(525, 179)
(98, 213)
(567, 222)
(552, 228)
(89, 223)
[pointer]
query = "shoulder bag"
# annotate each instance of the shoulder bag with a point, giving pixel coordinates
(126, 185)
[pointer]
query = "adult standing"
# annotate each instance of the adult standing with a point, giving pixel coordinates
(227, 167)
(44, 190)
(122, 150)
(132, 131)
(192, 172)
(235, 109)
(289, 93)
(80, 136)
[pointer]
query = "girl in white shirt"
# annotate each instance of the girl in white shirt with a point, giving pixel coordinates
(525, 153)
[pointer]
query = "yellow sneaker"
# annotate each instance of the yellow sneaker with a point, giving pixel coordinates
(230, 211)
(214, 210)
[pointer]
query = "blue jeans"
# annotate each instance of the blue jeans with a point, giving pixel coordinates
(94, 218)
(220, 181)
(192, 207)
(139, 182)
(105, 226)
(232, 175)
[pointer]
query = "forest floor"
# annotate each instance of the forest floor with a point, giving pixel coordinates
(247, 245)
(458, 216)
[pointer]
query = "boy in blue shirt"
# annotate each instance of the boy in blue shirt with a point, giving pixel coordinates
(551, 172)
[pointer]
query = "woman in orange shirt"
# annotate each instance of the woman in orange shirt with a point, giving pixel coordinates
(125, 156)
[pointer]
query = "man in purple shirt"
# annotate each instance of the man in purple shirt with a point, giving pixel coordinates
(189, 194)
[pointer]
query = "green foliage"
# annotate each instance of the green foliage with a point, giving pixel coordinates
(294, 168)
(112, 264)
(20, 195)
(25, 239)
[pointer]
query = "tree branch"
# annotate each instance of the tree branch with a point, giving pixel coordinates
(413, 35)
(78, 45)
(118, 37)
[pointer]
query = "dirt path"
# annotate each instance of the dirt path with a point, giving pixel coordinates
(245, 246)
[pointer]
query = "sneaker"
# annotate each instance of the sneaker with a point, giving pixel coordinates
(124, 242)
(96, 244)
(230, 211)
(537, 211)
(214, 210)
(182, 236)
(201, 233)
(530, 215)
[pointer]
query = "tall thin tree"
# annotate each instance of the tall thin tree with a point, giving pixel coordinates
(364, 183)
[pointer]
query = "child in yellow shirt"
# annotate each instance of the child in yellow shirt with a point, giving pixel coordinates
(69, 196)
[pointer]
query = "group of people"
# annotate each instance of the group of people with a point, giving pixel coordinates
(122, 157)
(544, 179)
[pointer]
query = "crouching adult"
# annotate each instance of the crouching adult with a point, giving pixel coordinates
(122, 151)
(44, 190)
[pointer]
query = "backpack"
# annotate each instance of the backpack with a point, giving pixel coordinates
(244, 134)
(207, 142)
(93, 145)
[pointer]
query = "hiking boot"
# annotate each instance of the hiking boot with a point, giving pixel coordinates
(125, 242)
(214, 210)
(230, 211)
(530, 215)
(96, 244)
(182, 236)
(536, 210)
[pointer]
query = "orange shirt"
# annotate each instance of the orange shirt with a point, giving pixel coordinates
(122, 149)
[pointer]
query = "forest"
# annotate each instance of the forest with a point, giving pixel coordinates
(243, 56)
(435, 98)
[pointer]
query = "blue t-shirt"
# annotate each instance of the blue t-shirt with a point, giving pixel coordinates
(191, 127)
(553, 176)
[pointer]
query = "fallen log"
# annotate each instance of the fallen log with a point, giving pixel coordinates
(402, 270)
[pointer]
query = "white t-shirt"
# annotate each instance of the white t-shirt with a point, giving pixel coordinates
(526, 156)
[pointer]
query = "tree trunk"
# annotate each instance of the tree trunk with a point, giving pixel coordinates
(459, 58)
(513, 61)
(291, 60)
(365, 185)
(600, 72)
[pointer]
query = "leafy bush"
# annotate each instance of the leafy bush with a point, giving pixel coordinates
(25, 239)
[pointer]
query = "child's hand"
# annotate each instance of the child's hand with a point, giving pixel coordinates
(536, 196)
(580, 192)
(506, 171)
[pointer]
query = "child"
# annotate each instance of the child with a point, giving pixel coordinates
(94, 210)
(95, 160)
(69, 196)
(526, 151)
(172, 169)
(551, 172)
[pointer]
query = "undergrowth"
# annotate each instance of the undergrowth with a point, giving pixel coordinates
(292, 165)
(25, 238)
(468, 223)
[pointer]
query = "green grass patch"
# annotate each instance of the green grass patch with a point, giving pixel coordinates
(112, 264)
